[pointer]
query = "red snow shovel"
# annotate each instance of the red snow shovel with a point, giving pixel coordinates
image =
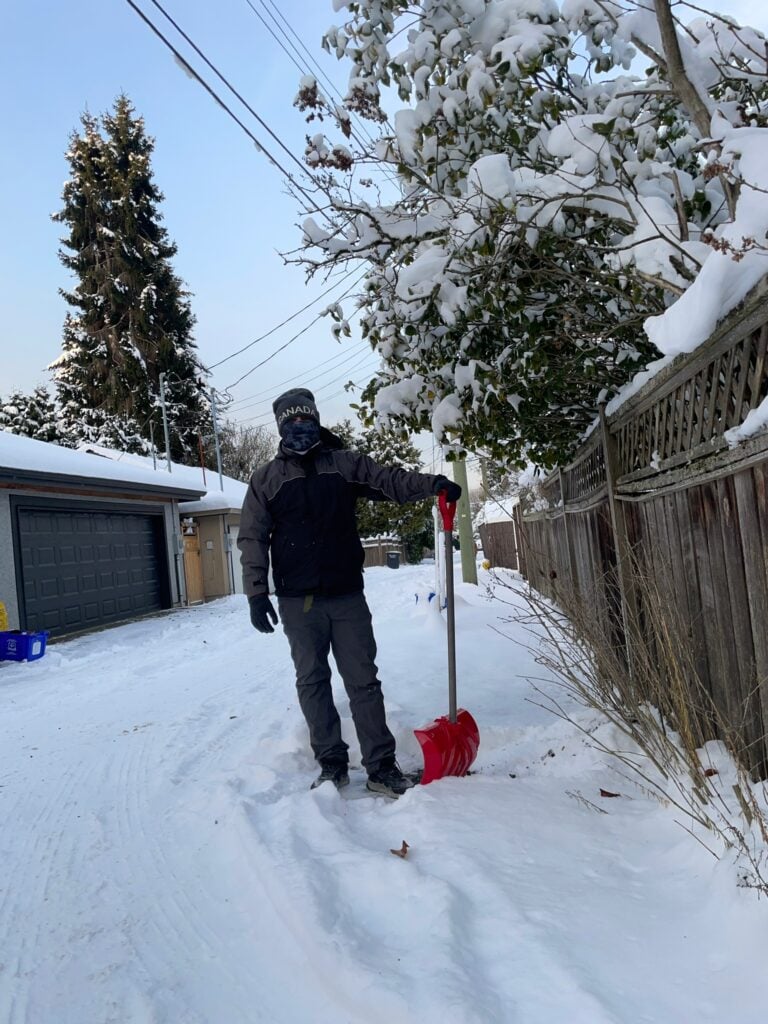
(450, 743)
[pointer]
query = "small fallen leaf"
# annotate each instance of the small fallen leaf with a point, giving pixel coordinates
(607, 792)
(402, 852)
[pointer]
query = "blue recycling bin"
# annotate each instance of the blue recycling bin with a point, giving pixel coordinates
(18, 645)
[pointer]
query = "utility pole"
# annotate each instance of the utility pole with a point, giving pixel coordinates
(216, 439)
(466, 538)
(165, 422)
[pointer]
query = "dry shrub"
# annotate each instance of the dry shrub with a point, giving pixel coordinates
(652, 692)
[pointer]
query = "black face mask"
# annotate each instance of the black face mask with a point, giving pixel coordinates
(300, 435)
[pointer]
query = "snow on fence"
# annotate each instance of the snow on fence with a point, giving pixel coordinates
(670, 487)
(376, 549)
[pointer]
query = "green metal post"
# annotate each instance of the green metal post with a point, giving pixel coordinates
(464, 517)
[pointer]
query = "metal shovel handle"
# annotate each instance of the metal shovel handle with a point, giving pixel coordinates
(448, 512)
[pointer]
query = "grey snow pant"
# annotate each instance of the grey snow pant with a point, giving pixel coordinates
(315, 625)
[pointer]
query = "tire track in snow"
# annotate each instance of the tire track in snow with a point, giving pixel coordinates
(150, 782)
(171, 939)
(47, 854)
(122, 799)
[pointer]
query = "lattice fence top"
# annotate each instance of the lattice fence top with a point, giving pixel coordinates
(585, 477)
(549, 490)
(691, 416)
(681, 416)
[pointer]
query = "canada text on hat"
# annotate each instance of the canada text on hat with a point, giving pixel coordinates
(296, 410)
(296, 402)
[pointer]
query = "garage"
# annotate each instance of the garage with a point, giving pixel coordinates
(86, 540)
(79, 568)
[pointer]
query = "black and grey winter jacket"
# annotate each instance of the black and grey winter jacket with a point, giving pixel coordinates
(301, 508)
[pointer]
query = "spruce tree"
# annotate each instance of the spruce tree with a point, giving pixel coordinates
(131, 319)
(32, 416)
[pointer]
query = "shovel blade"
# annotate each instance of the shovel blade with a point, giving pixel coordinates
(449, 748)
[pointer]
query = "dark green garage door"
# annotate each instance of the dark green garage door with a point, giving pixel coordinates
(79, 569)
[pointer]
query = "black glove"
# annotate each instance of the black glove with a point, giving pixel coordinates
(452, 490)
(261, 612)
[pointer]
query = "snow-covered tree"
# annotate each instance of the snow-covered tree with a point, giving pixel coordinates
(411, 523)
(568, 172)
(32, 416)
(131, 318)
(243, 447)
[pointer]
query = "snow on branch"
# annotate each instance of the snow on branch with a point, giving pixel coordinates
(581, 187)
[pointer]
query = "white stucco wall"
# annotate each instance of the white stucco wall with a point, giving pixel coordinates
(7, 565)
(175, 558)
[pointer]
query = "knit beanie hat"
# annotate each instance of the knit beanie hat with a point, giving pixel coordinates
(296, 402)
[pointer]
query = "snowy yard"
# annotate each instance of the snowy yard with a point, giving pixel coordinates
(164, 862)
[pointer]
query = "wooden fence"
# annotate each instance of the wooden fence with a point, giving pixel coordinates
(659, 486)
(501, 544)
(377, 548)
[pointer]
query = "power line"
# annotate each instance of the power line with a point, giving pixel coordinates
(322, 73)
(231, 88)
(330, 383)
(320, 398)
(215, 96)
(301, 62)
(287, 320)
(271, 31)
(244, 102)
(289, 342)
(242, 402)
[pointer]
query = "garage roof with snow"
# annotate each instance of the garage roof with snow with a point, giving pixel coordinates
(213, 498)
(24, 461)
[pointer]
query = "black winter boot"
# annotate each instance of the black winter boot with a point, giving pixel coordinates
(332, 771)
(388, 780)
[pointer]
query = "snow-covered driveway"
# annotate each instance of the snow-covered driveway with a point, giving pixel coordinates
(164, 862)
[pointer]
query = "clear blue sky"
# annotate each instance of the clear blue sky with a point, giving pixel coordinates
(225, 206)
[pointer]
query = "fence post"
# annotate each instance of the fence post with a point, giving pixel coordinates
(621, 542)
(568, 547)
(520, 540)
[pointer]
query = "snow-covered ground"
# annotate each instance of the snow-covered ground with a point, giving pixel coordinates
(164, 862)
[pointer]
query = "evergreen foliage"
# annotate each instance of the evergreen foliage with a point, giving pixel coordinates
(411, 523)
(130, 317)
(32, 416)
(549, 207)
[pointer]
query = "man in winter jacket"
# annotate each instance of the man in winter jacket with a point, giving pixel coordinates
(300, 510)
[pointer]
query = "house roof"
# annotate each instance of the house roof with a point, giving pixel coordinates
(24, 461)
(495, 511)
(211, 498)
